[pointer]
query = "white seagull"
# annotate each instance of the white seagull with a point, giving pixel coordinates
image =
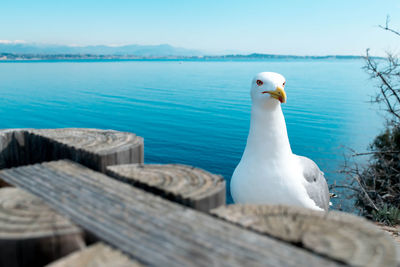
(269, 173)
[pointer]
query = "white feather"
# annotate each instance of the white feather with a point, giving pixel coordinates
(268, 171)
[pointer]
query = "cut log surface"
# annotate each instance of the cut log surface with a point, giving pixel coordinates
(97, 141)
(148, 228)
(31, 233)
(93, 148)
(187, 185)
(345, 237)
(97, 255)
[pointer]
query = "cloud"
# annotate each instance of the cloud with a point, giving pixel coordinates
(12, 42)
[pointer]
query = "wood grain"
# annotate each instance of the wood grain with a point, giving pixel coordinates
(187, 185)
(97, 255)
(12, 148)
(93, 148)
(341, 236)
(31, 233)
(148, 228)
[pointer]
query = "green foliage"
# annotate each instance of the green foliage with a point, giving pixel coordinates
(389, 140)
(380, 179)
(387, 215)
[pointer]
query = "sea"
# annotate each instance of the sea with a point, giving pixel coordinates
(197, 112)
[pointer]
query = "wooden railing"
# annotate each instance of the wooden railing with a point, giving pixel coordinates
(77, 187)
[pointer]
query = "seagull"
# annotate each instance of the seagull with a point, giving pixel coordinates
(269, 172)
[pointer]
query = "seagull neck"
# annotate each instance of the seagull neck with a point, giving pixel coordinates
(268, 135)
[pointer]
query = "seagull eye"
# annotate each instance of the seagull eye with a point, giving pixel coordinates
(259, 82)
(284, 83)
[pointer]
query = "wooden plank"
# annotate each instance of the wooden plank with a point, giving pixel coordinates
(31, 233)
(93, 148)
(338, 235)
(148, 228)
(190, 186)
(97, 255)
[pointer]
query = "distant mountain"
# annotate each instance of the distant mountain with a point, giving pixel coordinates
(162, 50)
(20, 50)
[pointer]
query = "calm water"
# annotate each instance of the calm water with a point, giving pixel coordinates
(195, 113)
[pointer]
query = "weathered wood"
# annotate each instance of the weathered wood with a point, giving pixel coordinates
(12, 148)
(394, 232)
(155, 231)
(97, 255)
(31, 234)
(187, 185)
(342, 236)
(93, 148)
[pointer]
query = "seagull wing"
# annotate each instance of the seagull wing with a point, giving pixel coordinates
(316, 185)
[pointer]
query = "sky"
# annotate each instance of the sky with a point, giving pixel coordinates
(263, 26)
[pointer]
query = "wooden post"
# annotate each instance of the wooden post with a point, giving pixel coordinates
(341, 236)
(12, 148)
(93, 148)
(187, 185)
(31, 234)
(97, 255)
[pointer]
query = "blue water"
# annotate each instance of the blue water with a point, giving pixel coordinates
(195, 112)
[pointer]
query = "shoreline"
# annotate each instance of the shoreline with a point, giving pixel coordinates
(11, 57)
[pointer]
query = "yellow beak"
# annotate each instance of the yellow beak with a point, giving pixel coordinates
(279, 94)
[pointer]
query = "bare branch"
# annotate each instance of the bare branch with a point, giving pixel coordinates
(386, 86)
(374, 152)
(365, 192)
(386, 27)
(347, 187)
(375, 184)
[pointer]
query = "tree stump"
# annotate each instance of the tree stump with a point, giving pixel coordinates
(187, 185)
(31, 233)
(340, 236)
(97, 255)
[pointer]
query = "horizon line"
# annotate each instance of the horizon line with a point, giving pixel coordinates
(203, 52)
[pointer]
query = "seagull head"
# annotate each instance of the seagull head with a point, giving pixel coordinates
(267, 88)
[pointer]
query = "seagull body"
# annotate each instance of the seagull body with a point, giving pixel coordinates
(269, 173)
